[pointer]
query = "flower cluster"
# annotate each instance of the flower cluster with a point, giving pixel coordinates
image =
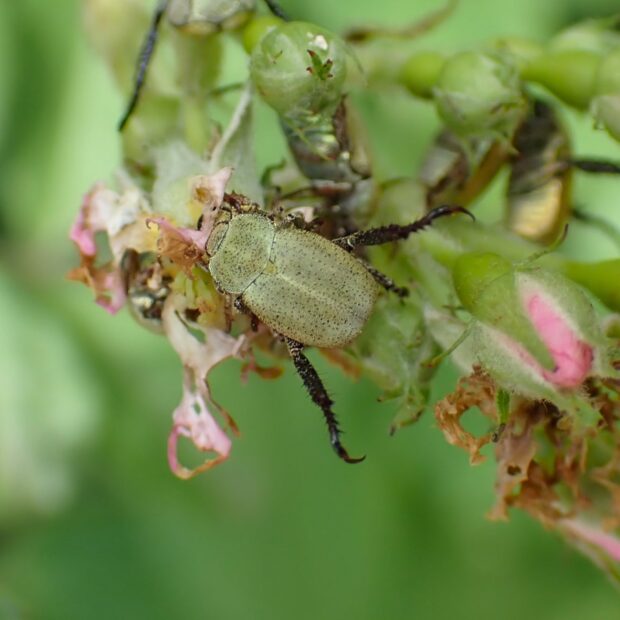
(516, 317)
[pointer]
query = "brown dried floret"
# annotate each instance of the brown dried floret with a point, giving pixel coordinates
(476, 390)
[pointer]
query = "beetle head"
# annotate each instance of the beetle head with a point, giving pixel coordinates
(219, 217)
(219, 230)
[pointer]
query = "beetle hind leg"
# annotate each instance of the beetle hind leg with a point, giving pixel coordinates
(394, 232)
(386, 282)
(319, 396)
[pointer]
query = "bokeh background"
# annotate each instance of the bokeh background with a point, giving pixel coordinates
(93, 524)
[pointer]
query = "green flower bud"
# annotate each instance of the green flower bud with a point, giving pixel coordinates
(420, 72)
(486, 286)
(535, 331)
(204, 17)
(521, 50)
(479, 94)
(600, 35)
(300, 69)
(256, 29)
(568, 74)
(606, 105)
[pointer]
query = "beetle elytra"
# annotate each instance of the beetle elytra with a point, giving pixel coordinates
(304, 287)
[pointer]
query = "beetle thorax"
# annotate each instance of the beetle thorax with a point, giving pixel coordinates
(240, 249)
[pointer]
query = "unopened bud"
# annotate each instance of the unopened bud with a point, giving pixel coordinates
(600, 35)
(480, 94)
(568, 74)
(420, 72)
(536, 332)
(299, 68)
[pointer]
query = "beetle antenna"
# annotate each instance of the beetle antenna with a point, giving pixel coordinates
(394, 232)
(144, 59)
(319, 396)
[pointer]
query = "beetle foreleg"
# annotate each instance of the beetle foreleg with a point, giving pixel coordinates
(319, 396)
(394, 232)
(144, 60)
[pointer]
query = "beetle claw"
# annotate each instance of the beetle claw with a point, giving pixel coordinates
(340, 450)
(444, 210)
(351, 459)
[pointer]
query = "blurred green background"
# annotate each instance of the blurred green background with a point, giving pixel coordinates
(93, 524)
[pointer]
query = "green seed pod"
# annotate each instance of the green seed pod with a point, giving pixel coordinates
(569, 74)
(300, 69)
(606, 105)
(420, 72)
(479, 93)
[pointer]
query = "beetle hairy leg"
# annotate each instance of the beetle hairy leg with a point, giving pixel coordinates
(144, 59)
(394, 232)
(319, 396)
(387, 283)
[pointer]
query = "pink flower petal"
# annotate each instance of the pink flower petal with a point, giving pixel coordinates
(82, 231)
(573, 357)
(121, 217)
(112, 296)
(608, 543)
(193, 420)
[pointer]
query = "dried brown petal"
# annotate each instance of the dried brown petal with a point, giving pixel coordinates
(476, 390)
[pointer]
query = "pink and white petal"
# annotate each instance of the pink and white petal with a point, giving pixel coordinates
(192, 419)
(573, 357)
(209, 189)
(112, 297)
(87, 223)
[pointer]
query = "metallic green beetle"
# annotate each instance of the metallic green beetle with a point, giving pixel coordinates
(304, 287)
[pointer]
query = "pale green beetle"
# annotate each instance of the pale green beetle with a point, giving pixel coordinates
(306, 288)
